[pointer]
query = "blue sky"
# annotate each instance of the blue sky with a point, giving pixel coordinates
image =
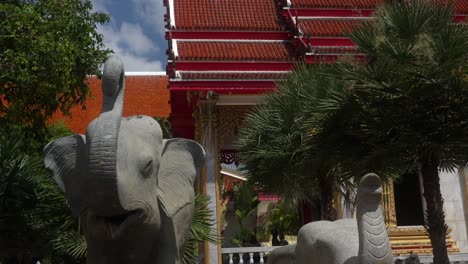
(135, 32)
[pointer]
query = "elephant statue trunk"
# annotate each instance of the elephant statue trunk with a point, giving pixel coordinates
(346, 241)
(133, 191)
(374, 245)
(102, 135)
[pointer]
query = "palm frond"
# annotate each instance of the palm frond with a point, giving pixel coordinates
(200, 230)
(72, 244)
(365, 38)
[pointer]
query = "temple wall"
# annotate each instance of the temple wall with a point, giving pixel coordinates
(454, 206)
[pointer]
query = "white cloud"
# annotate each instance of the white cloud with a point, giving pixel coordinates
(134, 38)
(135, 63)
(152, 12)
(132, 45)
(100, 6)
(129, 40)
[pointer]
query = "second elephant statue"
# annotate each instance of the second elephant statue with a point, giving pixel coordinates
(363, 240)
(133, 191)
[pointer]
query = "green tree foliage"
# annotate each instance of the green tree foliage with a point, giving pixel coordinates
(18, 184)
(166, 125)
(47, 49)
(287, 142)
(245, 201)
(284, 219)
(35, 222)
(52, 218)
(412, 98)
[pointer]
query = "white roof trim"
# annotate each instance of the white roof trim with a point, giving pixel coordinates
(224, 80)
(174, 48)
(335, 54)
(226, 71)
(158, 73)
(233, 175)
(333, 17)
(171, 13)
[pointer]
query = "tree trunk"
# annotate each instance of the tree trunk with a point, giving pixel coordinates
(327, 207)
(309, 211)
(434, 215)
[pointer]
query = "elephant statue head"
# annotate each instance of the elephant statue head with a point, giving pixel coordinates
(133, 191)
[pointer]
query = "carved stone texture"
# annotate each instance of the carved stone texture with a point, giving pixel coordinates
(374, 245)
(132, 190)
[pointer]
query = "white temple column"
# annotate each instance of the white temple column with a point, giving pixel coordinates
(207, 136)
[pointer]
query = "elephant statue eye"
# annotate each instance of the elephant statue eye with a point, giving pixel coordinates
(147, 168)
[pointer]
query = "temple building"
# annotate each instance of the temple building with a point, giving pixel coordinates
(224, 54)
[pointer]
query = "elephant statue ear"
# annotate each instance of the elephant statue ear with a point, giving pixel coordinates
(181, 162)
(65, 159)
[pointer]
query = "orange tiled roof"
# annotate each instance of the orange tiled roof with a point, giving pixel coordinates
(336, 3)
(227, 75)
(327, 27)
(144, 95)
(251, 15)
(235, 51)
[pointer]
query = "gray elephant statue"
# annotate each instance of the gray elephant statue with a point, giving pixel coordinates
(363, 240)
(133, 191)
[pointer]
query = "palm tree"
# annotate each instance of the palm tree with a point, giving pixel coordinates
(279, 141)
(18, 170)
(34, 218)
(412, 97)
(52, 218)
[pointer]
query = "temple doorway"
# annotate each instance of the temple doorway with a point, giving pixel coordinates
(408, 200)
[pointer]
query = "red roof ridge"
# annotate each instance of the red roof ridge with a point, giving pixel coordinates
(329, 8)
(236, 40)
(337, 3)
